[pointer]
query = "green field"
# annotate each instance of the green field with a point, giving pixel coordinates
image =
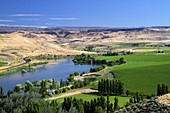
(142, 72)
(3, 63)
(121, 100)
(152, 48)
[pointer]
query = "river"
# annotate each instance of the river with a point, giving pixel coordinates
(61, 68)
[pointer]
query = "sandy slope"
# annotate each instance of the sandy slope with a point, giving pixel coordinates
(60, 42)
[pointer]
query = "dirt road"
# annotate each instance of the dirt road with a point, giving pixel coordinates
(14, 66)
(73, 93)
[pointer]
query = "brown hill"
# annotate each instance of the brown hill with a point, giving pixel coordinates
(60, 42)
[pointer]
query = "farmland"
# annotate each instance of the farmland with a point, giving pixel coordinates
(3, 63)
(142, 72)
(88, 97)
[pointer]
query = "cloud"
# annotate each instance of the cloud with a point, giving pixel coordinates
(56, 24)
(26, 15)
(63, 18)
(4, 25)
(29, 19)
(23, 26)
(49, 23)
(6, 20)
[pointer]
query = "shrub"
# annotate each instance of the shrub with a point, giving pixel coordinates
(76, 73)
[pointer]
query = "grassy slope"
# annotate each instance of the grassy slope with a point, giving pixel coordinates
(142, 72)
(122, 100)
(3, 63)
(152, 48)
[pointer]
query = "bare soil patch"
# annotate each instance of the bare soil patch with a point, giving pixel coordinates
(73, 93)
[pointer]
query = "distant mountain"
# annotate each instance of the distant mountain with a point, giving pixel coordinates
(160, 27)
(10, 29)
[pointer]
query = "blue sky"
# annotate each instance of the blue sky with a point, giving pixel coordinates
(99, 13)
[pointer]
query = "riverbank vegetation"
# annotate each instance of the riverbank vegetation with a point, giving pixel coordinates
(51, 57)
(10, 71)
(3, 63)
(112, 95)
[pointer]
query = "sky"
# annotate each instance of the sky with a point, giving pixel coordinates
(85, 13)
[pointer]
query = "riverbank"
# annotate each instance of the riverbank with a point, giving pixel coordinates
(19, 67)
(4, 63)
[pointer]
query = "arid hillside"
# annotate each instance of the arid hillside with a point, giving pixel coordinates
(62, 42)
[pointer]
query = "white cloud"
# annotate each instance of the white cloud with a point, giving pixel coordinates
(63, 18)
(26, 15)
(29, 19)
(4, 25)
(49, 23)
(23, 26)
(6, 20)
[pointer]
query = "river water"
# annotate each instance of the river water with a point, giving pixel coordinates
(61, 68)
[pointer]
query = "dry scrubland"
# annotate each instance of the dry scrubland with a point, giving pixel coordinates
(61, 42)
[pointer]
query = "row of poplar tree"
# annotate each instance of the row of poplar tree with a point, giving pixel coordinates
(99, 105)
(162, 89)
(110, 86)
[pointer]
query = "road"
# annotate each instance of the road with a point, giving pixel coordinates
(15, 66)
(73, 93)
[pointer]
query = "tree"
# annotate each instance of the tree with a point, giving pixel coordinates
(166, 89)
(137, 97)
(99, 86)
(17, 89)
(54, 84)
(134, 99)
(9, 92)
(61, 83)
(108, 105)
(28, 87)
(111, 87)
(76, 73)
(43, 88)
(131, 100)
(163, 89)
(158, 89)
(108, 86)
(121, 60)
(127, 92)
(120, 87)
(116, 104)
(111, 108)
(2, 92)
(98, 109)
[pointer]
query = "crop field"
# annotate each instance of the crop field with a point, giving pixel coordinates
(87, 97)
(152, 48)
(3, 63)
(142, 72)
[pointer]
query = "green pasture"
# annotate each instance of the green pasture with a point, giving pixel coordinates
(143, 71)
(152, 48)
(3, 63)
(87, 97)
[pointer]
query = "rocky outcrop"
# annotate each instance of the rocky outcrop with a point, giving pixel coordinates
(146, 106)
(165, 99)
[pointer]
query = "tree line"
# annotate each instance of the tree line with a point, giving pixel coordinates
(96, 105)
(88, 59)
(111, 86)
(162, 89)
